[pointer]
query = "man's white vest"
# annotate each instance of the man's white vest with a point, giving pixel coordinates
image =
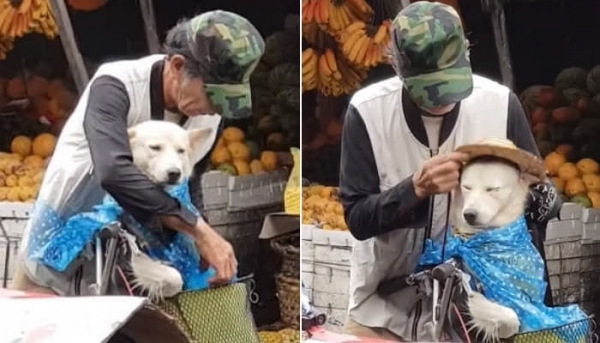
(398, 155)
(71, 167)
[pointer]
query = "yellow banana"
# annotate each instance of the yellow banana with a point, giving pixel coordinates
(362, 52)
(323, 67)
(306, 53)
(330, 58)
(352, 41)
(380, 35)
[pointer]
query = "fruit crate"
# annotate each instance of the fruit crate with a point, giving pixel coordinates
(573, 257)
(241, 193)
(13, 219)
(325, 264)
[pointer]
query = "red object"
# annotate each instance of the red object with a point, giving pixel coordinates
(320, 334)
(14, 294)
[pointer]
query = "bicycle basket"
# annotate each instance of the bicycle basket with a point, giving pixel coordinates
(215, 315)
(581, 331)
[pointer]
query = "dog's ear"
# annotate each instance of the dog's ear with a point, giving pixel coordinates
(198, 139)
(528, 179)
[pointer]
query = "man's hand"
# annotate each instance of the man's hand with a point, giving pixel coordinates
(439, 175)
(215, 252)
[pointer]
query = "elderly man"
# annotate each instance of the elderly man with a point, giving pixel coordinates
(398, 162)
(204, 71)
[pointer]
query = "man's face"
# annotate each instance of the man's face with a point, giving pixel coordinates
(187, 95)
(438, 111)
(191, 97)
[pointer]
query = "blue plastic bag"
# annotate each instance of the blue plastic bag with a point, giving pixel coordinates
(511, 272)
(56, 242)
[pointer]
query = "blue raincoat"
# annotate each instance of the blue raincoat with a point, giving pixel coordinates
(511, 272)
(56, 242)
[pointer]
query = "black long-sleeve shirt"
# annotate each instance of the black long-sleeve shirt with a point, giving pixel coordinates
(105, 126)
(370, 212)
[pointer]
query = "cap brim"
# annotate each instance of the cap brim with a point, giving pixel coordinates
(440, 88)
(526, 161)
(232, 101)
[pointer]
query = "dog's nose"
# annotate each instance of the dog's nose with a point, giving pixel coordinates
(470, 216)
(173, 175)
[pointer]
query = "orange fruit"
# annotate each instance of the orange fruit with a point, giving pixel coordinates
(575, 187)
(553, 161)
(565, 149)
(559, 184)
(588, 166)
(595, 199)
(568, 171)
(591, 182)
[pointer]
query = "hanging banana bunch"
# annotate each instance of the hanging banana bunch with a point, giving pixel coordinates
(19, 17)
(330, 74)
(6, 45)
(336, 14)
(364, 45)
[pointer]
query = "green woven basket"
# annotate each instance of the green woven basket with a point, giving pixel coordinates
(216, 315)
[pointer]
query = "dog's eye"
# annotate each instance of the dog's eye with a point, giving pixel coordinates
(466, 188)
(492, 189)
(180, 151)
(155, 147)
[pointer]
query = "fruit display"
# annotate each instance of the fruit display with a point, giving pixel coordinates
(51, 102)
(18, 18)
(281, 336)
(22, 169)
(342, 44)
(235, 155)
(567, 114)
(276, 92)
(577, 182)
(321, 207)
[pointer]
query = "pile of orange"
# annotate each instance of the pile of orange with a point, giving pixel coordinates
(581, 178)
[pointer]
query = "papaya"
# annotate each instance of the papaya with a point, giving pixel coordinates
(591, 182)
(233, 134)
(241, 167)
(568, 171)
(256, 167)
(219, 156)
(269, 160)
(575, 187)
(588, 166)
(595, 199)
(566, 114)
(239, 151)
(553, 161)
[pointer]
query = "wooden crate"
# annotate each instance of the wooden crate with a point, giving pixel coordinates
(326, 272)
(573, 257)
(13, 219)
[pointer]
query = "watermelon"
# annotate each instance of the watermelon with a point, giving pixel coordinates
(593, 80)
(573, 77)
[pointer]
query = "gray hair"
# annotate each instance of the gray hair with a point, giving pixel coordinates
(177, 42)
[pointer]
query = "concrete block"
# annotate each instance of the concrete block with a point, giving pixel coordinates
(591, 231)
(590, 215)
(570, 210)
(564, 228)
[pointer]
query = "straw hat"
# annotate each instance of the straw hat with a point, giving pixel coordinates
(506, 149)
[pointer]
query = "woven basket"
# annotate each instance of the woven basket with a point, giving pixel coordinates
(288, 247)
(216, 315)
(288, 292)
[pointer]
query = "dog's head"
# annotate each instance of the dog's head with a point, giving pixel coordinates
(491, 193)
(165, 152)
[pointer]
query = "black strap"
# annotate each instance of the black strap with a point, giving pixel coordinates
(157, 105)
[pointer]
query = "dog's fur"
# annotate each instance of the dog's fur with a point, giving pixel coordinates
(492, 193)
(158, 147)
(165, 153)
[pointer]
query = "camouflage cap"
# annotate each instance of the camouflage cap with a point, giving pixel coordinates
(228, 48)
(431, 53)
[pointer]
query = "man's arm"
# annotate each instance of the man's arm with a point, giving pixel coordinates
(368, 211)
(105, 126)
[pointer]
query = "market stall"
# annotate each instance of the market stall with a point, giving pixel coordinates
(553, 69)
(45, 63)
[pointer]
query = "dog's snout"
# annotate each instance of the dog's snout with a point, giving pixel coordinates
(470, 216)
(173, 175)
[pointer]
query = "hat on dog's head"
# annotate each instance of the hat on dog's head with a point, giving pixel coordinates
(507, 150)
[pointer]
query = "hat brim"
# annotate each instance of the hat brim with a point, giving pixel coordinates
(526, 161)
(233, 101)
(441, 88)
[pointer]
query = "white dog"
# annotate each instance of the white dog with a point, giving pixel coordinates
(165, 153)
(492, 193)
